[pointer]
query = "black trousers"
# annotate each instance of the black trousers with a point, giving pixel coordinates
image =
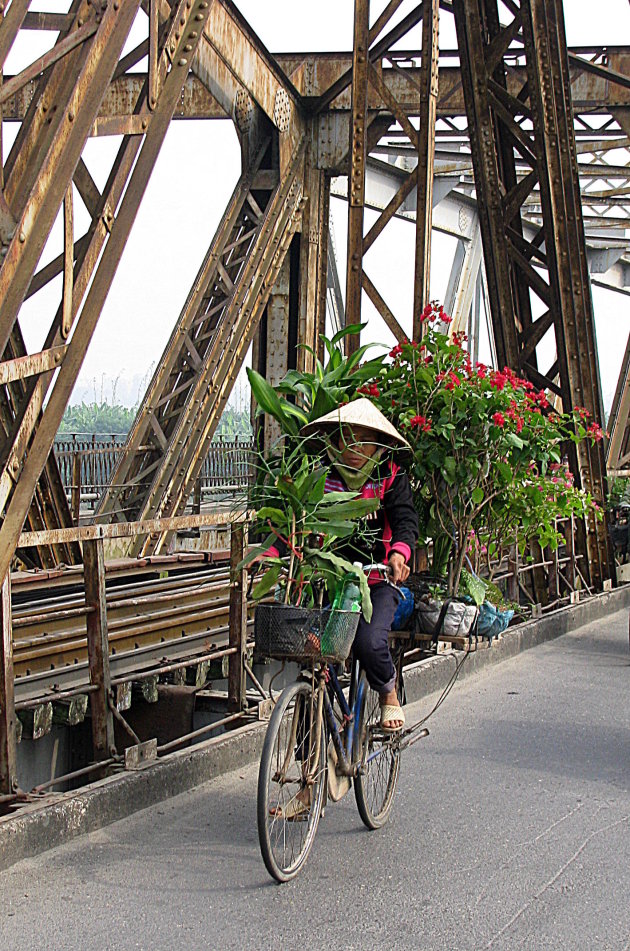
(371, 645)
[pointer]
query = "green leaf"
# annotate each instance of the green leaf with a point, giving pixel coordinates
(268, 582)
(477, 495)
(514, 440)
(472, 585)
(255, 552)
(504, 470)
(343, 567)
(269, 401)
(277, 516)
(346, 331)
(339, 529)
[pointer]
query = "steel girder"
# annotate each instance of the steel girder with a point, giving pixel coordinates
(35, 180)
(167, 445)
(186, 397)
(594, 94)
(534, 124)
(44, 161)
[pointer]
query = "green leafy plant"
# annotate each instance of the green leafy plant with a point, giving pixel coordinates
(289, 498)
(294, 513)
(487, 459)
(303, 397)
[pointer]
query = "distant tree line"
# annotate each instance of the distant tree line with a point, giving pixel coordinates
(107, 419)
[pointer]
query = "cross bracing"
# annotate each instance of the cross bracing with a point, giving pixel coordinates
(532, 138)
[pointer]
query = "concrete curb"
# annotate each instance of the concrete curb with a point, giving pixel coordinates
(39, 827)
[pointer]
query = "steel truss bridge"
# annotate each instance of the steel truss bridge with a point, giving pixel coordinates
(512, 143)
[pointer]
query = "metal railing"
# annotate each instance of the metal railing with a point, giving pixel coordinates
(86, 463)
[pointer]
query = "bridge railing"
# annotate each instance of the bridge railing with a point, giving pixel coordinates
(86, 463)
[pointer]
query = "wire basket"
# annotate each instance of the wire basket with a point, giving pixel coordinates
(289, 633)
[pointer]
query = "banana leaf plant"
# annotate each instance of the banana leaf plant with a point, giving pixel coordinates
(303, 397)
(307, 526)
(293, 509)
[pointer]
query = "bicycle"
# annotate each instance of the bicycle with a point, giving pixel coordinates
(314, 729)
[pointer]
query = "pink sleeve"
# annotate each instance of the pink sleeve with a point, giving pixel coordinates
(403, 549)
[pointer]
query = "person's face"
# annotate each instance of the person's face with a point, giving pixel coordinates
(356, 445)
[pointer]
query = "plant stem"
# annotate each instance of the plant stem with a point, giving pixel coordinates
(291, 560)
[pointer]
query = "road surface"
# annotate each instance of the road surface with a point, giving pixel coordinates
(511, 830)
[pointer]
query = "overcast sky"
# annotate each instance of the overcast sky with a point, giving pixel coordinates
(195, 174)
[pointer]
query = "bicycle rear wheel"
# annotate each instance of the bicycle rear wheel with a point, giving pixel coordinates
(375, 783)
(291, 781)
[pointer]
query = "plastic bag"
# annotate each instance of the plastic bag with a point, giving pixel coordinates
(404, 610)
(452, 617)
(493, 622)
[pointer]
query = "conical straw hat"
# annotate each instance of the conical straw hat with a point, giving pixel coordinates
(361, 412)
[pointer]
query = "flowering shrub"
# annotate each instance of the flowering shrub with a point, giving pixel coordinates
(487, 451)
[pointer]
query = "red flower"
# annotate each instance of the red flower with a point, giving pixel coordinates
(421, 422)
(498, 380)
(583, 413)
(454, 381)
(396, 351)
(595, 431)
(498, 419)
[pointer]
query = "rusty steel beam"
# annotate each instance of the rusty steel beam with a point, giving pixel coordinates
(93, 273)
(358, 156)
(40, 166)
(548, 148)
(181, 363)
(426, 157)
(8, 742)
(618, 455)
(183, 457)
(593, 95)
(237, 634)
(98, 649)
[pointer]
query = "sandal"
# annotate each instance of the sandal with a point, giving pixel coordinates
(392, 712)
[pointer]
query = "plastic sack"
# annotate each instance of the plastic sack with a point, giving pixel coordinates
(493, 622)
(404, 610)
(452, 617)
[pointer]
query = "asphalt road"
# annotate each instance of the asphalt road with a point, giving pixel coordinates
(510, 830)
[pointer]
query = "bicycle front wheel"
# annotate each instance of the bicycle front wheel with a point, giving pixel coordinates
(291, 781)
(375, 783)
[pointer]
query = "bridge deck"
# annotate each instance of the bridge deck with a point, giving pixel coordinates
(509, 831)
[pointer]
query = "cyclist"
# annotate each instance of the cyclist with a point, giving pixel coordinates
(358, 441)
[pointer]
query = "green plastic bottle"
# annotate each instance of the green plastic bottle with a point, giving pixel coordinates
(350, 595)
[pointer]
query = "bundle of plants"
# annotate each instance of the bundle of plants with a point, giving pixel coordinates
(488, 451)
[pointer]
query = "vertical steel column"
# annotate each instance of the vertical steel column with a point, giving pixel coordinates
(426, 155)
(565, 247)
(471, 42)
(358, 155)
(276, 330)
(98, 648)
(8, 752)
(238, 618)
(313, 245)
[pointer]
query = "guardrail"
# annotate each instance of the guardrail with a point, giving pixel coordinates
(86, 463)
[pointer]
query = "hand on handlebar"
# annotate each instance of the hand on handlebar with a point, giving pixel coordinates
(399, 569)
